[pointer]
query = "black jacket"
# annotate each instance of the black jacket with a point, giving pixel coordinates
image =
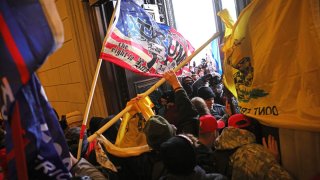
(188, 121)
(197, 174)
(218, 111)
(202, 81)
(205, 158)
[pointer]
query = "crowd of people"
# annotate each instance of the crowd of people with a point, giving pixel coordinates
(196, 133)
(191, 137)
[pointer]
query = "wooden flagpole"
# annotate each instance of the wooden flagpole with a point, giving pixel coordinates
(93, 85)
(151, 89)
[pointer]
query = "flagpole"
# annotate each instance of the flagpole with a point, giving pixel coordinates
(93, 86)
(183, 63)
(150, 90)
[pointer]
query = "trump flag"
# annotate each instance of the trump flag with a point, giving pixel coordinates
(35, 145)
(136, 42)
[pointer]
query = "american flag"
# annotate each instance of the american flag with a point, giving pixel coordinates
(138, 43)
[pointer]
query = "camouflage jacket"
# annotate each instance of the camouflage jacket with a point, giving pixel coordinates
(250, 160)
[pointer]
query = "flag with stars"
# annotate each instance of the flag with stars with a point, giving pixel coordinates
(137, 43)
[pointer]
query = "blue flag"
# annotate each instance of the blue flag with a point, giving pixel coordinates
(35, 143)
(215, 50)
(46, 152)
(26, 40)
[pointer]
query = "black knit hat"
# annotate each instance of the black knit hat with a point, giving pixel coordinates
(205, 92)
(157, 131)
(178, 155)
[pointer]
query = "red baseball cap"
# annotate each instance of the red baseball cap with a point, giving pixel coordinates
(239, 121)
(208, 123)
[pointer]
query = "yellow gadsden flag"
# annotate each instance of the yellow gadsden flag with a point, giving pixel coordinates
(272, 63)
(131, 140)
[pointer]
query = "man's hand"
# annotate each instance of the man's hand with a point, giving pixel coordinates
(172, 79)
(272, 146)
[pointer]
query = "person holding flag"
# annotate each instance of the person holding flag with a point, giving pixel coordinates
(136, 42)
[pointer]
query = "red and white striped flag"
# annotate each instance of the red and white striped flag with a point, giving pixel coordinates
(139, 44)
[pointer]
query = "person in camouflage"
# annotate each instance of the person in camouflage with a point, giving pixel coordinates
(248, 159)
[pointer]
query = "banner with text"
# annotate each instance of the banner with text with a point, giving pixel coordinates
(35, 144)
(272, 63)
(138, 43)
